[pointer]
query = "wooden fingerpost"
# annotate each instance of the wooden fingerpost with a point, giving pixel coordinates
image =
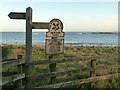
(52, 68)
(19, 70)
(28, 83)
(92, 72)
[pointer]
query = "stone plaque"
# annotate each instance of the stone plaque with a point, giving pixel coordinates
(54, 46)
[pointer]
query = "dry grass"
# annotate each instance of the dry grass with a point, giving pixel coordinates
(108, 56)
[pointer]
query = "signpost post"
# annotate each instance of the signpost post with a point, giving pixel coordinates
(28, 17)
(54, 40)
(28, 46)
(54, 43)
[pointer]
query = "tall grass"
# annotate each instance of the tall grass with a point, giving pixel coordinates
(109, 56)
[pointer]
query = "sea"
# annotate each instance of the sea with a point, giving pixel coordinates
(70, 38)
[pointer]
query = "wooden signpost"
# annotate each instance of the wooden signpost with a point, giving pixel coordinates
(54, 45)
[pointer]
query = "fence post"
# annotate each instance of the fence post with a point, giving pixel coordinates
(92, 71)
(52, 68)
(19, 70)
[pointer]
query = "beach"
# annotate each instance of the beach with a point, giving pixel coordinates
(76, 45)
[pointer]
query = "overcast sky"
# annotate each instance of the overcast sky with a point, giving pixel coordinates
(76, 16)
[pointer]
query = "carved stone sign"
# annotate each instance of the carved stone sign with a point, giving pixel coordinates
(54, 37)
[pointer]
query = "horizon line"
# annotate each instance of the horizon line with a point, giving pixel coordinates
(65, 31)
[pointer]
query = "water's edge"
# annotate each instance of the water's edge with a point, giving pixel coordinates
(71, 38)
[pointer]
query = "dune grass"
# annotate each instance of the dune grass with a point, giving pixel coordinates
(109, 56)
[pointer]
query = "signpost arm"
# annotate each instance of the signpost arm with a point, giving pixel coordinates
(28, 47)
(17, 15)
(40, 25)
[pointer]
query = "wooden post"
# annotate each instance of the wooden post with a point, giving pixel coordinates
(92, 71)
(28, 47)
(19, 70)
(52, 68)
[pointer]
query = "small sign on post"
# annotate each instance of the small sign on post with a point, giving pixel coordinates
(54, 38)
(17, 15)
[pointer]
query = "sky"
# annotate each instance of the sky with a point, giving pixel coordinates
(76, 16)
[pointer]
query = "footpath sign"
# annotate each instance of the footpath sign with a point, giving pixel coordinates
(55, 37)
(54, 40)
(17, 15)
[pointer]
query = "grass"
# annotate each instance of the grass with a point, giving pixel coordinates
(109, 56)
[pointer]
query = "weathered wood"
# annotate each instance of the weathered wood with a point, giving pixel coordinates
(40, 25)
(93, 64)
(87, 58)
(28, 47)
(79, 82)
(13, 78)
(24, 80)
(52, 68)
(19, 70)
(5, 60)
(53, 74)
(13, 63)
(17, 15)
(92, 72)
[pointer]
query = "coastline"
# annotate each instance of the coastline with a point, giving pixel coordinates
(67, 44)
(90, 44)
(70, 39)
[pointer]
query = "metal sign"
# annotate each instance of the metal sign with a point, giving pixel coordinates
(55, 38)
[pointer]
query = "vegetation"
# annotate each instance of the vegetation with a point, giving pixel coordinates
(109, 56)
